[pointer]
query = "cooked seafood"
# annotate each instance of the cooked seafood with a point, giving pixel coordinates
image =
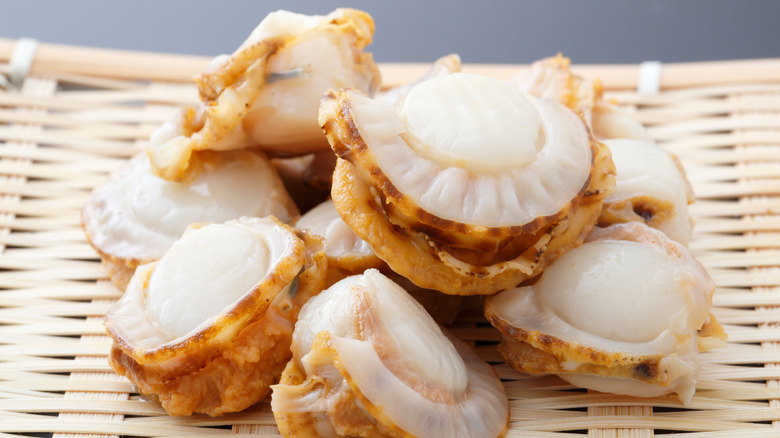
(347, 253)
(552, 78)
(611, 121)
(627, 312)
(208, 327)
(443, 66)
(350, 255)
(650, 187)
(266, 94)
(368, 361)
(467, 186)
(135, 217)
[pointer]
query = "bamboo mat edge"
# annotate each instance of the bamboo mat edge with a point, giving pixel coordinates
(63, 60)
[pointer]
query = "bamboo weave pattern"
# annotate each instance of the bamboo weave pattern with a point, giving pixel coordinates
(59, 140)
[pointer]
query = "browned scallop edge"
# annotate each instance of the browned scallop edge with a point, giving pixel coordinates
(295, 424)
(414, 257)
(346, 414)
(229, 382)
(384, 424)
(339, 126)
(409, 255)
(243, 368)
(165, 362)
(377, 412)
(213, 82)
(553, 351)
(118, 269)
(204, 125)
(647, 209)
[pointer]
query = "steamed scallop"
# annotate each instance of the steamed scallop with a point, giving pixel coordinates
(208, 327)
(445, 65)
(266, 94)
(135, 217)
(552, 78)
(368, 361)
(627, 312)
(467, 185)
(611, 121)
(348, 255)
(650, 187)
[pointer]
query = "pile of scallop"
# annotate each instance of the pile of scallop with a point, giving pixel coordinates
(550, 202)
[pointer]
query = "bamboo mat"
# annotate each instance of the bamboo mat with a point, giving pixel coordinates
(84, 111)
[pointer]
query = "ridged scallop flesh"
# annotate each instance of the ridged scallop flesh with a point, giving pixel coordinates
(369, 361)
(650, 187)
(208, 327)
(466, 185)
(627, 312)
(349, 255)
(266, 94)
(135, 217)
(552, 78)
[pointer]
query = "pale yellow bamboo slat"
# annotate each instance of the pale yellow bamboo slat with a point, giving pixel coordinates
(743, 316)
(767, 344)
(708, 141)
(672, 96)
(67, 291)
(49, 365)
(699, 108)
(731, 226)
(56, 59)
(68, 385)
(746, 171)
(69, 310)
(718, 208)
(59, 326)
(74, 251)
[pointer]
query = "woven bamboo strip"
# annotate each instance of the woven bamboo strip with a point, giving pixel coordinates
(54, 60)
(767, 344)
(67, 385)
(100, 343)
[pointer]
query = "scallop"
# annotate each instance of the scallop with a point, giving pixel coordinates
(368, 361)
(552, 78)
(650, 187)
(347, 253)
(467, 185)
(610, 121)
(208, 327)
(445, 65)
(627, 312)
(135, 217)
(266, 94)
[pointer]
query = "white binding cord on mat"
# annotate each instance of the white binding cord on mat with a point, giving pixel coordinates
(20, 64)
(649, 77)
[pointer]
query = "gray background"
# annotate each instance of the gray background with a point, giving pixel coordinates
(498, 31)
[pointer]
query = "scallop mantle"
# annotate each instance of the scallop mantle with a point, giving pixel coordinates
(497, 193)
